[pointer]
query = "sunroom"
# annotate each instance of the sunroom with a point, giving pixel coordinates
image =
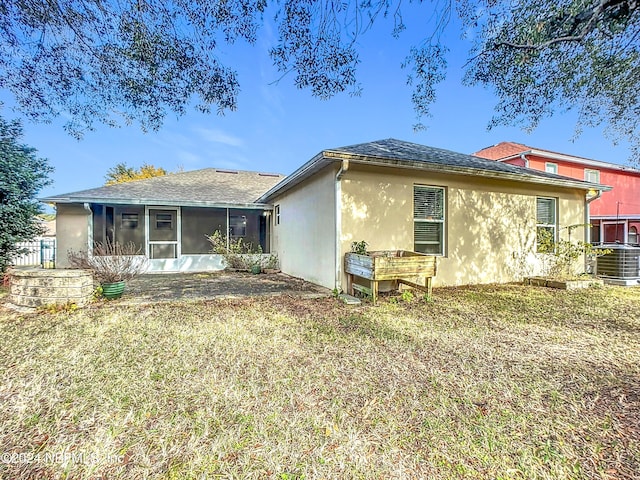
(169, 218)
(175, 238)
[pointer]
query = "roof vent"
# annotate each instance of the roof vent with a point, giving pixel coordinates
(269, 174)
(226, 171)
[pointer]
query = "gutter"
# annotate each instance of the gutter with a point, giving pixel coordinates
(587, 220)
(156, 202)
(570, 158)
(524, 158)
(476, 172)
(338, 201)
(328, 156)
(587, 202)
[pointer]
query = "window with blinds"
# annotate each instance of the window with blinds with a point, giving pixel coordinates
(546, 221)
(428, 219)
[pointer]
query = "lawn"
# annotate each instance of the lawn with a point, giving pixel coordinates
(498, 382)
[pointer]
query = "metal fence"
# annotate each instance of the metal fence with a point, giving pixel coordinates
(38, 252)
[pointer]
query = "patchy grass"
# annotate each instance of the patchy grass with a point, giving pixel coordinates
(505, 382)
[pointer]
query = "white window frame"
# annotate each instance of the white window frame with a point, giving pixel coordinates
(604, 224)
(129, 220)
(551, 167)
(589, 171)
(177, 243)
(243, 226)
(443, 220)
(554, 226)
(276, 214)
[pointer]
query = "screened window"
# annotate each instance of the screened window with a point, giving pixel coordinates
(592, 176)
(546, 223)
(276, 214)
(164, 221)
(129, 220)
(428, 219)
(551, 167)
(633, 235)
(238, 225)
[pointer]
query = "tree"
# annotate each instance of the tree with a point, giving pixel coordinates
(144, 58)
(122, 173)
(22, 175)
(572, 54)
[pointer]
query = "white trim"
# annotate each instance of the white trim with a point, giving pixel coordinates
(554, 167)
(621, 217)
(177, 241)
(625, 228)
(442, 221)
(555, 225)
(276, 215)
(571, 159)
(344, 167)
(87, 207)
(228, 231)
(328, 156)
(587, 171)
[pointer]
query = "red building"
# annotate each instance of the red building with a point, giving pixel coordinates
(615, 216)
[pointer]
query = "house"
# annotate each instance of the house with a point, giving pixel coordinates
(615, 216)
(479, 217)
(168, 217)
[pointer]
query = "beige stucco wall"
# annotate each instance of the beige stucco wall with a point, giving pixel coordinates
(490, 224)
(305, 239)
(72, 232)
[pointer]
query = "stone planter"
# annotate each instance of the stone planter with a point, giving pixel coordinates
(38, 287)
(574, 284)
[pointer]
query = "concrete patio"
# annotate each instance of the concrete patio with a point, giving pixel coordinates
(209, 285)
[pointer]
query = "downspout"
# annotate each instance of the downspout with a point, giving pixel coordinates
(587, 220)
(87, 208)
(343, 169)
(524, 158)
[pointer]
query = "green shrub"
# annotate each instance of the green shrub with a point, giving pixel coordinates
(359, 247)
(241, 255)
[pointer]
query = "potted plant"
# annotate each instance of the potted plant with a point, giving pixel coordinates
(256, 268)
(111, 264)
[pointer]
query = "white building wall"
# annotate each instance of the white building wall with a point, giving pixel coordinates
(304, 238)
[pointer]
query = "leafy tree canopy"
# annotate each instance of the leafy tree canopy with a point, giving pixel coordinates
(122, 173)
(22, 175)
(137, 60)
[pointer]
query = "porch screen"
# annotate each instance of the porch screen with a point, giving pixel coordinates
(428, 219)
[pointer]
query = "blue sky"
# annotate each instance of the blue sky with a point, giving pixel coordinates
(278, 127)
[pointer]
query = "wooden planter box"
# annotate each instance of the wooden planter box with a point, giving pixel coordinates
(410, 268)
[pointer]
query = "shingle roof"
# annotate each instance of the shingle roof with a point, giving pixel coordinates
(412, 152)
(508, 150)
(207, 187)
(501, 150)
(392, 152)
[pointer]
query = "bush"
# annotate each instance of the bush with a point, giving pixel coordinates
(241, 255)
(559, 257)
(111, 262)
